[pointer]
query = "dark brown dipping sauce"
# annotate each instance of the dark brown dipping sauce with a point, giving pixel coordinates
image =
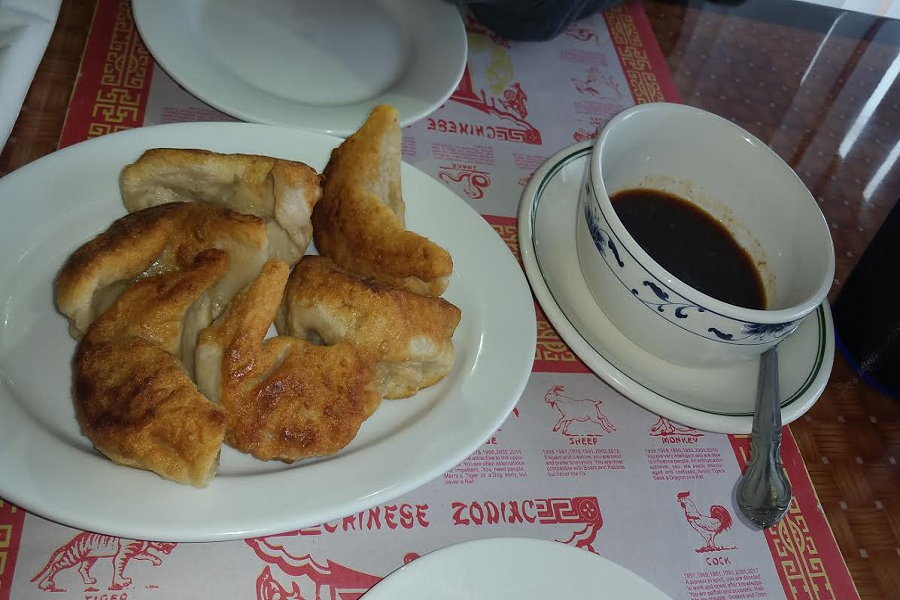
(691, 245)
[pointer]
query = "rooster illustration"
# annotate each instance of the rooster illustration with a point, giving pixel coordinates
(708, 527)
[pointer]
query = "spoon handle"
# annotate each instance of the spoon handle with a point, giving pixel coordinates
(764, 493)
(766, 435)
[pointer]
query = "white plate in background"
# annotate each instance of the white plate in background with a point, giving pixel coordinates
(55, 204)
(316, 65)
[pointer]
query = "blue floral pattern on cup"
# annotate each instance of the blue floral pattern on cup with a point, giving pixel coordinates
(603, 240)
(665, 302)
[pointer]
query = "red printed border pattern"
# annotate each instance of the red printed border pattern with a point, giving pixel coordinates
(552, 355)
(641, 59)
(11, 520)
(114, 81)
(806, 556)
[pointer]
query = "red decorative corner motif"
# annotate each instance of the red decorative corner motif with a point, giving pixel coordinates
(803, 548)
(12, 518)
(114, 82)
(507, 228)
(639, 54)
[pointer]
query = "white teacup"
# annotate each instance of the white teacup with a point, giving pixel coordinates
(744, 185)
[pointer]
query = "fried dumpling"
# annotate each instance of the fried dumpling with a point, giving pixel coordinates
(407, 337)
(156, 240)
(360, 222)
(281, 192)
(133, 399)
(285, 398)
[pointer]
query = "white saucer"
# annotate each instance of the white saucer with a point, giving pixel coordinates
(512, 569)
(720, 400)
(316, 65)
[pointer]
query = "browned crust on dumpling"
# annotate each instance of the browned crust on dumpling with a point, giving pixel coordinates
(407, 337)
(133, 399)
(360, 221)
(159, 238)
(285, 398)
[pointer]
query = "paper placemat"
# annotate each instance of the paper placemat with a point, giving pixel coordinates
(605, 476)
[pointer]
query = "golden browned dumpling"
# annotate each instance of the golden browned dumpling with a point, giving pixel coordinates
(285, 398)
(407, 337)
(157, 240)
(281, 192)
(360, 221)
(133, 399)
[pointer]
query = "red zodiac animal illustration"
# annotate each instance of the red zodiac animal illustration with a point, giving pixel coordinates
(598, 85)
(87, 548)
(514, 98)
(581, 34)
(331, 580)
(584, 410)
(473, 181)
(268, 588)
(718, 520)
(512, 110)
(664, 427)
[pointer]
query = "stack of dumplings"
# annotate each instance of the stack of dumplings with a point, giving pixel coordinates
(171, 306)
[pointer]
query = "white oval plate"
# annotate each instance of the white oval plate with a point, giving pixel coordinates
(316, 65)
(720, 400)
(52, 206)
(512, 569)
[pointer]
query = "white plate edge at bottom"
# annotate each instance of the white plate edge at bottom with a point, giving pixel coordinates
(636, 391)
(497, 551)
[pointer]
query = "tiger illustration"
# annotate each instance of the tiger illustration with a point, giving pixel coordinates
(86, 548)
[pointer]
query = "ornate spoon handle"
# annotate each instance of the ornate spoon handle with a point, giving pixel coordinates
(764, 492)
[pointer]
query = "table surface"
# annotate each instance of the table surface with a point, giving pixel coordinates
(820, 86)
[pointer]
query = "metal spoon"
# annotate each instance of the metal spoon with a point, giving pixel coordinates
(764, 492)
